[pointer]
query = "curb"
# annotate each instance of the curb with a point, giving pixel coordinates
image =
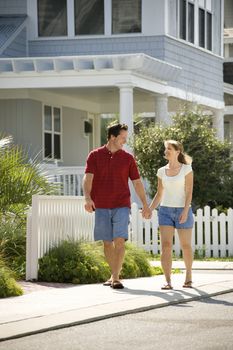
(116, 314)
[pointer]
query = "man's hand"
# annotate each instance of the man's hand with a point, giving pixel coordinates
(146, 212)
(89, 205)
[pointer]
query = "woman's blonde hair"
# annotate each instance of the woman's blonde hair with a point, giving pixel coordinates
(182, 157)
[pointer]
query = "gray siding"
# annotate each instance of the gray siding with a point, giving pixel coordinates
(22, 119)
(75, 144)
(18, 48)
(13, 7)
(151, 45)
(202, 72)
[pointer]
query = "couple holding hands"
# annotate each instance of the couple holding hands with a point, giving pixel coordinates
(106, 192)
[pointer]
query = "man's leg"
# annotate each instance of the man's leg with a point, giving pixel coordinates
(118, 257)
(109, 255)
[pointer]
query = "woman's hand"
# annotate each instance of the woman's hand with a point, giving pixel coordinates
(183, 216)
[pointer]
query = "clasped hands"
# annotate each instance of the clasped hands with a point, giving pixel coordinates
(146, 212)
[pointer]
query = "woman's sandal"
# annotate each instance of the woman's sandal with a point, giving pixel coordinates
(167, 287)
(107, 283)
(117, 285)
(188, 284)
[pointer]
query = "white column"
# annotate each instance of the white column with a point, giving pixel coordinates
(97, 130)
(218, 123)
(161, 110)
(126, 107)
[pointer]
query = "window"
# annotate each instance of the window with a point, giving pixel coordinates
(52, 132)
(184, 7)
(209, 31)
(201, 27)
(126, 16)
(89, 17)
(183, 19)
(191, 22)
(52, 17)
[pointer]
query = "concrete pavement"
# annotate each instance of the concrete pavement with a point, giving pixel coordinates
(47, 306)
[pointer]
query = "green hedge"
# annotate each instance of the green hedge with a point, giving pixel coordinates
(79, 262)
(8, 285)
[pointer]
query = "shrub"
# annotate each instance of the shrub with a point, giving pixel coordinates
(136, 263)
(75, 262)
(8, 285)
(13, 243)
(80, 262)
(212, 163)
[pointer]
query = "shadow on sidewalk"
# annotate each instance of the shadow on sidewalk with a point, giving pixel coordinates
(176, 295)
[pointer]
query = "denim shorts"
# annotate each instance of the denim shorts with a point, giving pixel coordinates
(111, 223)
(169, 216)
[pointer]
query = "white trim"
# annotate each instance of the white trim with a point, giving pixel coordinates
(222, 28)
(70, 22)
(195, 98)
(228, 110)
(166, 16)
(32, 19)
(127, 78)
(194, 46)
(228, 88)
(107, 18)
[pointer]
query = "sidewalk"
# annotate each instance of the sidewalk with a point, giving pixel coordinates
(47, 306)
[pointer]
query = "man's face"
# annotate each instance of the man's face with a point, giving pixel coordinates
(120, 140)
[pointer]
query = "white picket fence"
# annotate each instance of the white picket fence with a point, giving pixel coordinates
(53, 219)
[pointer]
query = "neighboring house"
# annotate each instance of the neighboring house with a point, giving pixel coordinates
(65, 62)
(228, 69)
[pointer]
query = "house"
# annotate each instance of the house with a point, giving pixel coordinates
(65, 63)
(228, 69)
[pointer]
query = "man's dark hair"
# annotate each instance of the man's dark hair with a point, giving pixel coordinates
(116, 129)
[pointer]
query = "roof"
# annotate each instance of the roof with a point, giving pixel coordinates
(8, 26)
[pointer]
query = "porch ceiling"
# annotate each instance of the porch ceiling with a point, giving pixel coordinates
(106, 100)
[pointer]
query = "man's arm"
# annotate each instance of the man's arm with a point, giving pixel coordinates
(139, 189)
(87, 186)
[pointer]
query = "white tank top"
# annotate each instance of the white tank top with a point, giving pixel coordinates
(174, 186)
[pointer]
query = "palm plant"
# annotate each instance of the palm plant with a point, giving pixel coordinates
(20, 179)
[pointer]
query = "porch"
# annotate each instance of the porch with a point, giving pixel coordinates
(83, 88)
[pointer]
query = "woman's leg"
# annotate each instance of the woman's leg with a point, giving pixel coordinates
(166, 236)
(185, 236)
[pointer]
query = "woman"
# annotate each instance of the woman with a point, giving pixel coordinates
(174, 194)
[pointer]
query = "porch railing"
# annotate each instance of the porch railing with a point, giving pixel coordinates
(69, 179)
(55, 218)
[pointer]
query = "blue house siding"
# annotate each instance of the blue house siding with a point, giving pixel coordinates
(13, 7)
(151, 45)
(18, 48)
(202, 71)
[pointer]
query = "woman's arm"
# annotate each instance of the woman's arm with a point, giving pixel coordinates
(158, 197)
(188, 196)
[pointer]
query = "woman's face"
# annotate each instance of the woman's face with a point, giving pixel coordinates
(170, 153)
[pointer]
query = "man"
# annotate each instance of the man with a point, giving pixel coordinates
(106, 191)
